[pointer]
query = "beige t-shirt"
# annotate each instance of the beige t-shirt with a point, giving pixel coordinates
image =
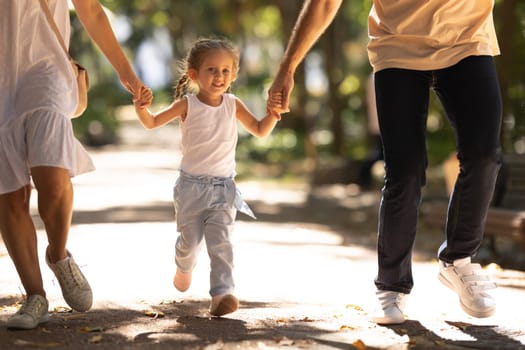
(429, 34)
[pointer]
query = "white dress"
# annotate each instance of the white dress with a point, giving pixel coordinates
(38, 94)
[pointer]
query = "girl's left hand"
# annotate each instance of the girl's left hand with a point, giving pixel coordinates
(144, 98)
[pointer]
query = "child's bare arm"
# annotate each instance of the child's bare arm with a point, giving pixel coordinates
(151, 120)
(259, 128)
(142, 105)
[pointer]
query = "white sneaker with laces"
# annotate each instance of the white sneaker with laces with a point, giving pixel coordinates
(75, 287)
(470, 282)
(393, 304)
(33, 312)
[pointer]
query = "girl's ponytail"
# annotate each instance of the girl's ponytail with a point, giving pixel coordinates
(182, 86)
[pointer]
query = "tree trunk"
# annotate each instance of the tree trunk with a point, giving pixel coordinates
(333, 63)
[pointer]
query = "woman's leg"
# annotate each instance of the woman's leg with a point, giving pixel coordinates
(55, 205)
(18, 232)
(402, 103)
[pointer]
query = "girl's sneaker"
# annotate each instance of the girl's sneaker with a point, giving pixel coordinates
(223, 304)
(470, 283)
(393, 304)
(33, 312)
(182, 280)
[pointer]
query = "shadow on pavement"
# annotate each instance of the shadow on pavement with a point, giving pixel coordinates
(169, 325)
(484, 337)
(186, 325)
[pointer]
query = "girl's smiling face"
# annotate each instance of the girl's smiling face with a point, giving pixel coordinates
(214, 76)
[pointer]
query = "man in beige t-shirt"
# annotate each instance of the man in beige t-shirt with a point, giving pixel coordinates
(415, 46)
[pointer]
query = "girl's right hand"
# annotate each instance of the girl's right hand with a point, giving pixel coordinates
(279, 93)
(274, 104)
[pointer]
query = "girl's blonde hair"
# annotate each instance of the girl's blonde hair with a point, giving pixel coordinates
(195, 57)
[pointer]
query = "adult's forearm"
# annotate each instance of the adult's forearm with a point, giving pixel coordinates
(97, 25)
(313, 20)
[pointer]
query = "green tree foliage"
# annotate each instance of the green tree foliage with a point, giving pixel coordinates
(510, 25)
(328, 107)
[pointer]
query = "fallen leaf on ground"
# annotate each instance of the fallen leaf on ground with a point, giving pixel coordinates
(95, 339)
(88, 329)
(62, 309)
(346, 328)
(358, 344)
(153, 313)
(355, 307)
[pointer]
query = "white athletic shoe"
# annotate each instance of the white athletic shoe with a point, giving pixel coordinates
(33, 312)
(75, 287)
(470, 282)
(393, 304)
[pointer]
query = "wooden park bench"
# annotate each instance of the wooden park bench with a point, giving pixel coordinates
(506, 216)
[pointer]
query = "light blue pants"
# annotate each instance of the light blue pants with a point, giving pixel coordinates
(205, 209)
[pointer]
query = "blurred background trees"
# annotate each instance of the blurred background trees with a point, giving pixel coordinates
(328, 113)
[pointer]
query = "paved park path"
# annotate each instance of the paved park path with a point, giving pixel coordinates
(304, 271)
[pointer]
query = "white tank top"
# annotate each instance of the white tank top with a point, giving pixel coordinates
(209, 138)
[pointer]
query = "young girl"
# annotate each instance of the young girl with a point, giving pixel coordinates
(205, 195)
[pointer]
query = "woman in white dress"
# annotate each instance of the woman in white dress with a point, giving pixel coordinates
(36, 142)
